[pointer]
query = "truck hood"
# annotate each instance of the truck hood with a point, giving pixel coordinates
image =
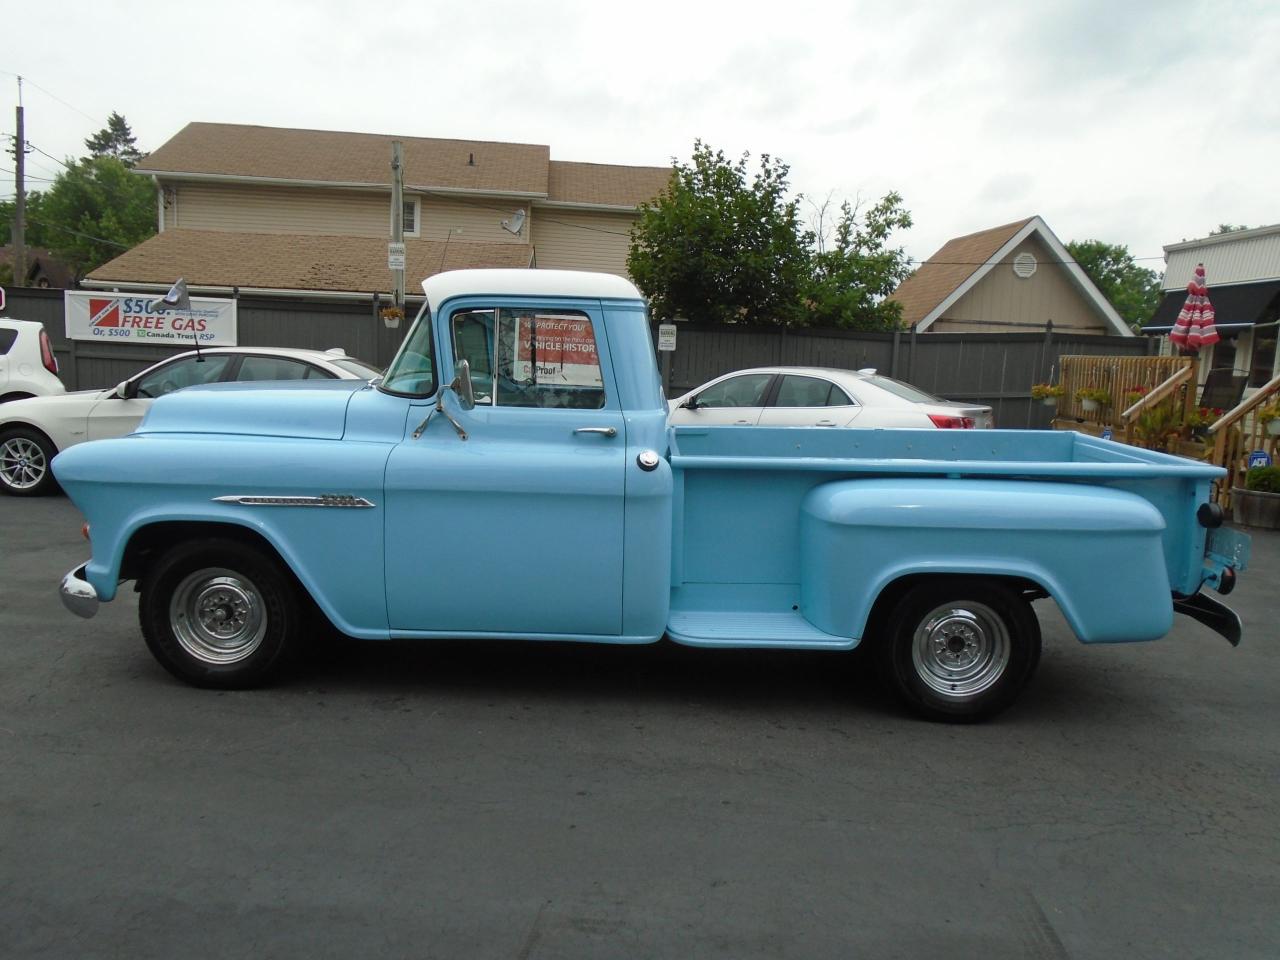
(310, 409)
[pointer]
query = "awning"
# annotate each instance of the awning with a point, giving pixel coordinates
(1234, 304)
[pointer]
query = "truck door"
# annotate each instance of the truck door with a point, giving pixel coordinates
(517, 530)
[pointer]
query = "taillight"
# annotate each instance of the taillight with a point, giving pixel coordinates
(944, 422)
(46, 354)
(84, 530)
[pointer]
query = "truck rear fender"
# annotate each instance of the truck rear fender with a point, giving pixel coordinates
(1097, 552)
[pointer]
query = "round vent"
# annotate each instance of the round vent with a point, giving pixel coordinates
(1024, 265)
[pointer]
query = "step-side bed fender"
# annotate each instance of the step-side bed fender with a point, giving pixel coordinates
(1096, 551)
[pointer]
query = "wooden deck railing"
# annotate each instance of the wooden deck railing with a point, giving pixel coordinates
(1236, 434)
(1118, 376)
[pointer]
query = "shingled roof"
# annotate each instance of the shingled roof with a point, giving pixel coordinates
(285, 155)
(265, 261)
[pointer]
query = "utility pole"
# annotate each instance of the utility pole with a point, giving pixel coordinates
(20, 201)
(397, 221)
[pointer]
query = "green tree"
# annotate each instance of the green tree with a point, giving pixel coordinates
(720, 245)
(115, 140)
(36, 235)
(1227, 228)
(1133, 290)
(94, 211)
(851, 278)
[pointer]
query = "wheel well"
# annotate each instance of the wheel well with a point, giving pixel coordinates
(148, 542)
(895, 591)
(23, 425)
(16, 396)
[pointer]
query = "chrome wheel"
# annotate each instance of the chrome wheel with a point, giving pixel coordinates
(218, 616)
(960, 649)
(23, 464)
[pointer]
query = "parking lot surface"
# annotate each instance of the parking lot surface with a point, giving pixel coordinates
(476, 800)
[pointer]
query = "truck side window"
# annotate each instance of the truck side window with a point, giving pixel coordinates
(473, 342)
(545, 359)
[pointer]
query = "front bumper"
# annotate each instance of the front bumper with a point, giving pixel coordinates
(78, 594)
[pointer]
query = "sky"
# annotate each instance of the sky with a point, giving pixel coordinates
(1133, 122)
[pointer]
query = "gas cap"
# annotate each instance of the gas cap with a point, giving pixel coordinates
(648, 460)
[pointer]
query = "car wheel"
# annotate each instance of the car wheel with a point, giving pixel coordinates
(960, 649)
(25, 456)
(220, 613)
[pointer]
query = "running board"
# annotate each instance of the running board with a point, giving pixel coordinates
(728, 628)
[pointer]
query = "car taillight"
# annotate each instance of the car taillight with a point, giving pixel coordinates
(944, 422)
(46, 354)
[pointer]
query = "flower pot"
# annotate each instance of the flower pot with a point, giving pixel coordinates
(1254, 508)
(1090, 406)
(1273, 427)
(1049, 401)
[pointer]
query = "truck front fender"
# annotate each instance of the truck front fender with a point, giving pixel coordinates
(1096, 551)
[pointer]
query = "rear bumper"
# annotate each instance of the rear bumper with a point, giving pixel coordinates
(1216, 616)
(78, 594)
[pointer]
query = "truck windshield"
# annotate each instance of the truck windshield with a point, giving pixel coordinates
(412, 372)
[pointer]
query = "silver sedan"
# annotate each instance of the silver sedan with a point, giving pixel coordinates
(818, 397)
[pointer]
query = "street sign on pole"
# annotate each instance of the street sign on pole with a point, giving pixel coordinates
(666, 337)
(395, 256)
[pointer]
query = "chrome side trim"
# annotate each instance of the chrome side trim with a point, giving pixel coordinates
(323, 500)
(78, 594)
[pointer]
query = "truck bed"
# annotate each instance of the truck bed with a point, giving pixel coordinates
(738, 560)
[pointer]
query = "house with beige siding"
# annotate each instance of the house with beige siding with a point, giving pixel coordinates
(307, 213)
(1017, 276)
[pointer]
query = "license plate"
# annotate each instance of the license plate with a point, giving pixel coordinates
(1229, 548)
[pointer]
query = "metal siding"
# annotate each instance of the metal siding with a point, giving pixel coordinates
(580, 240)
(1048, 294)
(258, 209)
(471, 221)
(1225, 261)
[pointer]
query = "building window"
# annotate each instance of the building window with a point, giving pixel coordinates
(412, 216)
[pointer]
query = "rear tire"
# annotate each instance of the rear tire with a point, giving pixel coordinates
(220, 613)
(25, 463)
(960, 649)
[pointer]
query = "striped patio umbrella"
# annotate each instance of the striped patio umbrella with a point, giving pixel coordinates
(1194, 327)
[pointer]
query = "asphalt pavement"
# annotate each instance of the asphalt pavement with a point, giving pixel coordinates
(534, 801)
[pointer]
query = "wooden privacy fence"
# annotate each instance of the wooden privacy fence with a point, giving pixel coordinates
(1239, 432)
(1117, 376)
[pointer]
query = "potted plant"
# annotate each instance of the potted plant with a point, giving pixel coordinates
(1093, 398)
(1200, 419)
(1134, 394)
(1257, 503)
(1047, 393)
(1269, 417)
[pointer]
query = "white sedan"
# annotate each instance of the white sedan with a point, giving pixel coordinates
(817, 397)
(33, 431)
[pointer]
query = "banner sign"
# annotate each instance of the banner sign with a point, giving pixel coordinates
(136, 318)
(564, 350)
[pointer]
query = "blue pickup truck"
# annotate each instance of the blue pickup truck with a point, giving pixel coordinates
(536, 491)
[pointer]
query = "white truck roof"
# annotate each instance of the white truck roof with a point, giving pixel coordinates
(536, 283)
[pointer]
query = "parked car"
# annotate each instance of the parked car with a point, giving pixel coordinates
(28, 367)
(32, 431)
(818, 397)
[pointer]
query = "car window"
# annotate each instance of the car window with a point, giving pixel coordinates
(744, 391)
(361, 369)
(183, 373)
(904, 390)
(810, 392)
(7, 337)
(530, 358)
(278, 368)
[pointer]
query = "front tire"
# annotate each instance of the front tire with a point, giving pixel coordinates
(220, 613)
(25, 458)
(960, 650)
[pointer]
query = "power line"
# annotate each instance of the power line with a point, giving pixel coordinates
(51, 156)
(26, 176)
(69, 106)
(77, 233)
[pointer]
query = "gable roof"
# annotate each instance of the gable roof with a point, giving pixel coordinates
(960, 263)
(281, 155)
(312, 263)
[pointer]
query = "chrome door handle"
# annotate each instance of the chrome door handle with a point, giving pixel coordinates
(606, 431)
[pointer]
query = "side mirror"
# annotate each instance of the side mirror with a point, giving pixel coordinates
(690, 404)
(462, 385)
(122, 390)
